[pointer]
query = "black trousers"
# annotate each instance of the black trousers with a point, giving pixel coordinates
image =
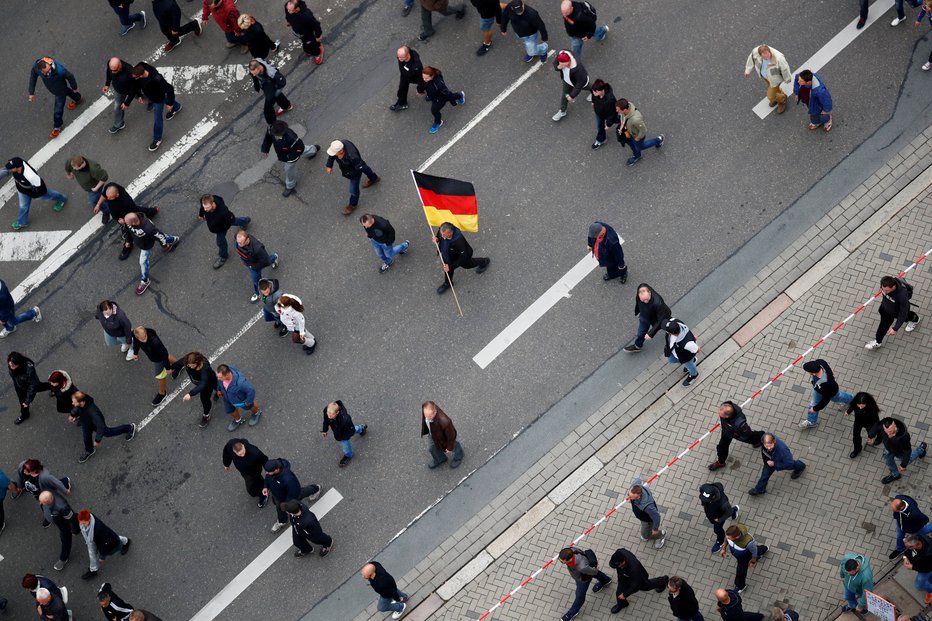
(268, 110)
(864, 4)
(206, 402)
(404, 83)
(744, 561)
(254, 484)
(470, 263)
(719, 531)
(67, 526)
(310, 45)
(886, 321)
(629, 588)
(183, 30)
(724, 442)
(304, 493)
(859, 424)
(304, 543)
(613, 270)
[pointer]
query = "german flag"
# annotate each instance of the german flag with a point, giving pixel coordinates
(448, 200)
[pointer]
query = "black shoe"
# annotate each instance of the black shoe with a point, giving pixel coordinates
(46, 523)
(344, 461)
(262, 502)
(176, 372)
(132, 433)
(205, 420)
(19, 419)
(87, 575)
(105, 219)
(861, 22)
(601, 586)
(854, 453)
(87, 455)
(597, 144)
(365, 428)
(154, 145)
(797, 473)
(631, 348)
(689, 380)
(171, 113)
(283, 331)
(619, 607)
(326, 551)
(157, 399)
(434, 464)
(443, 287)
(300, 554)
(895, 554)
(607, 277)
(424, 36)
(405, 10)
(483, 49)
(309, 349)
(632, 161)
(287, 192)
(890, 479)
(398, 107)
(117, 128)
(66, 480)
(126, 546)
(754, 492)
(278, 324)
(124, 252)
(483, 266)
(624, 276)
(922, 447)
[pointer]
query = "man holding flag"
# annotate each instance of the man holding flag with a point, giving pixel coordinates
(456, 252)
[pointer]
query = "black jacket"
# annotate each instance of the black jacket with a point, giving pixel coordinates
(456, 250)
(896, 304)
(288, 148)
(220, 219)
(436, 90)
(145, 234)
(714, 502)
(26, 382)
(684, 605)
(488, 8)
(117, 609)
(63, 396)
(168, 13)
(91, 417)
(249, 464)
(383, 583)
(124, 203)
(303, 23)
(382, 231)
(29, 182)
(154, 86)
(525, 24)
(655, 311)
(106, 539)
(305, 524)
(341, 426)
(122, 82)
(737, 426)
(154, 349)
(827, 389)
(254, 255)
(632, 575)
(868, 417)
(604, 106)
(352, 163)
(733, 610)
(579, 24)
(921, 559)
(259, 43)
(203, 379)
(899, 445)
(412, 71)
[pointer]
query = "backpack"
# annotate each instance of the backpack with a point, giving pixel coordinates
(590, 556)
(907, 286)
(278, 80)
(588, 10)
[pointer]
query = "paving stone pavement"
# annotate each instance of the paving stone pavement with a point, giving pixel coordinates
(839, 504)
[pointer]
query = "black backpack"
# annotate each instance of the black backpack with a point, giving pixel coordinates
(590, 556)
(907, 286)
(588, 10)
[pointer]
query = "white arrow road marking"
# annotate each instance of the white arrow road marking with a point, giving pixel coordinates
(262, 562)
(831, 49)
(29, 245)
(204, 79)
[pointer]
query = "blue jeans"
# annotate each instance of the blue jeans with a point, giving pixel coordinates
(841, 397)
(144, 258)
(690, 366)
(354, 184)
(114, 341)
(890, 459)
(576, 43)
(348, 444)
(108, 432)
(222, 247)
(126, 20)
(899, 7)
(767, 472)
(256, 275)
(925, 530)
(25, 201)
(14, 320)
(158, 110)
(640, 145)
(643, 329)
(851, 598)
(486, 23)
(533, 46)
(581, 589)
(387, 605)
(387, 252)
(819, 118)
(924, 581)
(59, 110)
(409, 4)
(93, 196)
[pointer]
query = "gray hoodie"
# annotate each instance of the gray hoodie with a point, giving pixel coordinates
(581, 571)
(645, 508)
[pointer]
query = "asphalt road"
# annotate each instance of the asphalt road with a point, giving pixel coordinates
(388, 342)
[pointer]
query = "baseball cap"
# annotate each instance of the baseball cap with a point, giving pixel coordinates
(335, 147)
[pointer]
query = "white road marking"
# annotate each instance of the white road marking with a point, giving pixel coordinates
(204, 79)
(831, 49)
(262, 562)
(561, 289)
(29, 245)
(74, 243)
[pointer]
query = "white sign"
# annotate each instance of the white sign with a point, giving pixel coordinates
(879, 606)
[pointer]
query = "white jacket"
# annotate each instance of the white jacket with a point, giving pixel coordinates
(292, 319)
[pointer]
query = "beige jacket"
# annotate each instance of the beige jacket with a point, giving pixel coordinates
(777, 72)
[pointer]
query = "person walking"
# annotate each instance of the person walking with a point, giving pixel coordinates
(746, 551)
(145, 233)
(291, 315)
(441, 436)
(112, 605)
(283, 486)
(490, 13)
(579, 19)
(51, 607)
(681, 348)
(925, 11)
(734, 426)
(5, 486)
(337, 420)
(528, 27)
(29, 186)
(918, 558)
(93, 425)
(652, 313)
(116, 203)
(856, 577)
(901, 14)
(391, 598)
(151, 85)
(634, 131)
(410, 71)
(128, 20)
(866, 415)
(259, 43)
(456, 252)
(120, 80)
(306, 29)
(168, 14)
(254, 256)
(632, 577)
(269, 81)
(117, 328)
(582, 567)
(61, 387)
(439, 95)
(895, 311)
(730, 608)
(32, 476)
(289, 149)
(605, 246)
(575, 79)
(226, 15)
(437, 6)
(61, 83)
(776, 456)
(237, 393)
(909, 520)
(306, 530)
(824, 390)
(269, 293)
(101, 540)
(809, 87)
(682, 599)
(381, 235)
(645, 510)
(90, 175)
(34, 582)
(57, 511)
(352, 167)
(718, 509)
(770, 65)
(142, 615)
(249, 460)
(603, 104)
(25, 382)
(220, 219)
(8, 316)
(896, 445)
(203, 382)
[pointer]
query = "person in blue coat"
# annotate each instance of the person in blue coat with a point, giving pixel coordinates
(237, 393)
(776, 456)
(605, 246)
(4, 485)
(283, 486)
(809, 87)
(8, 316)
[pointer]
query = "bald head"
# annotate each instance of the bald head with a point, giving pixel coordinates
(403, 54)
(132, 219)
(43, 596)
(566, 7)
(722, 596)
(46, 498)
(368, 571)
(115, 65)
(137, 615)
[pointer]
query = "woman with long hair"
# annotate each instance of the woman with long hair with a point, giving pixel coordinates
(866, 415)
(291, 313)
(203, 381)
(25, 381)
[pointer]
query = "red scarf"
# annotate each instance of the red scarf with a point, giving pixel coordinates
(595, 246)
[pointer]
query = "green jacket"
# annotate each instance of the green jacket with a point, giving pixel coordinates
(89, 176)
(864, 579)
(634, 123)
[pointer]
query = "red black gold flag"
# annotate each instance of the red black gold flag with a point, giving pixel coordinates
(448, 200)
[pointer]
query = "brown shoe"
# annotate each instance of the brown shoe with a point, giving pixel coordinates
(781, 108)
(368, 183)
(230, 46)
(243, 49)
(349, 209)
(772, 104)
(716, 465)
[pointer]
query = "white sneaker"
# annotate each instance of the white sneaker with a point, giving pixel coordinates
(125, 347)
(873, 345)
(400, 613)
(927, 66)
(736, 513)
(896, 21)
(807, 424)
(38, 317)
(659, 543)
(910, 325)
(254, 298)
(559, 115)
(277, 526)
(129, 354)
(5, 333)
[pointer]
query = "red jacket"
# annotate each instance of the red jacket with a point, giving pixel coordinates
(225, 15)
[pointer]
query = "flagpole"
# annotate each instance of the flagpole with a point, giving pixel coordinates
(437, 247)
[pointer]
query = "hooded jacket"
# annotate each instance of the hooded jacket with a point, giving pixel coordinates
(341, 426)
(253, 254)
(456, 250)
(239, 392)
(864, 579)
(42, 482)
(820, 100)
(305, 524)
(525, 24)
(352, 163)
(57, 81)
(645, 507)
(604, 106)
(89, 176)
(579, 568)
(63, 393)
(825, 386)
(27, 182)
(737, 426)
(381, 231)
(896, 304)
(436, 90)
(117, 324)
(153, 348)
(579, 23)
(225, 14)
(714, 502)
(220, 219)
(655, 310)
(781, 456)
(609, 247)
(574, 76)
(145, 234)
(303, 23)
(269, 301)
(91, 417)
(684, 604)
(117, 609)
(250, 464)
(732, 611)
(911, 519)
(634, 123)
(26, 381)
(488, 9)
(291, 317)
(899, 445)
(284, 486)
(683, 345)
(632, 574)
(441, 431)
(288, 147)
(154, 86)
(778, 70)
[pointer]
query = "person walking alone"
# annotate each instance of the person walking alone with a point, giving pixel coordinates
(856, 577)
(635, 131)
(776, 455)
(746, 551)
(220, 219)
(26, 382)
(151, 86)
(237, 393)
(645, 510)
(306, 28)
(381, 235)
(652, 313)
(254, 256)
(203, 382)
(337, 420)
(582, 568)
(147, 340)
(456, 252)
(8, 317)
(579, 19)
(93, 425)
(290, 149)
(681, 348)
(825, 390)
(770, 65)
(306, 530)
(29, 186)
(734, 427)
(352, 167)
(249, 460)
(866, 415)
(895, 311)
(575, 79)
(809, 87)
(290, 312)
(605, 246)
(116, 325)
(269, 81)
(61, 83)
(441, 436)
(391, 598)
(632, 577)
(439, 95)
